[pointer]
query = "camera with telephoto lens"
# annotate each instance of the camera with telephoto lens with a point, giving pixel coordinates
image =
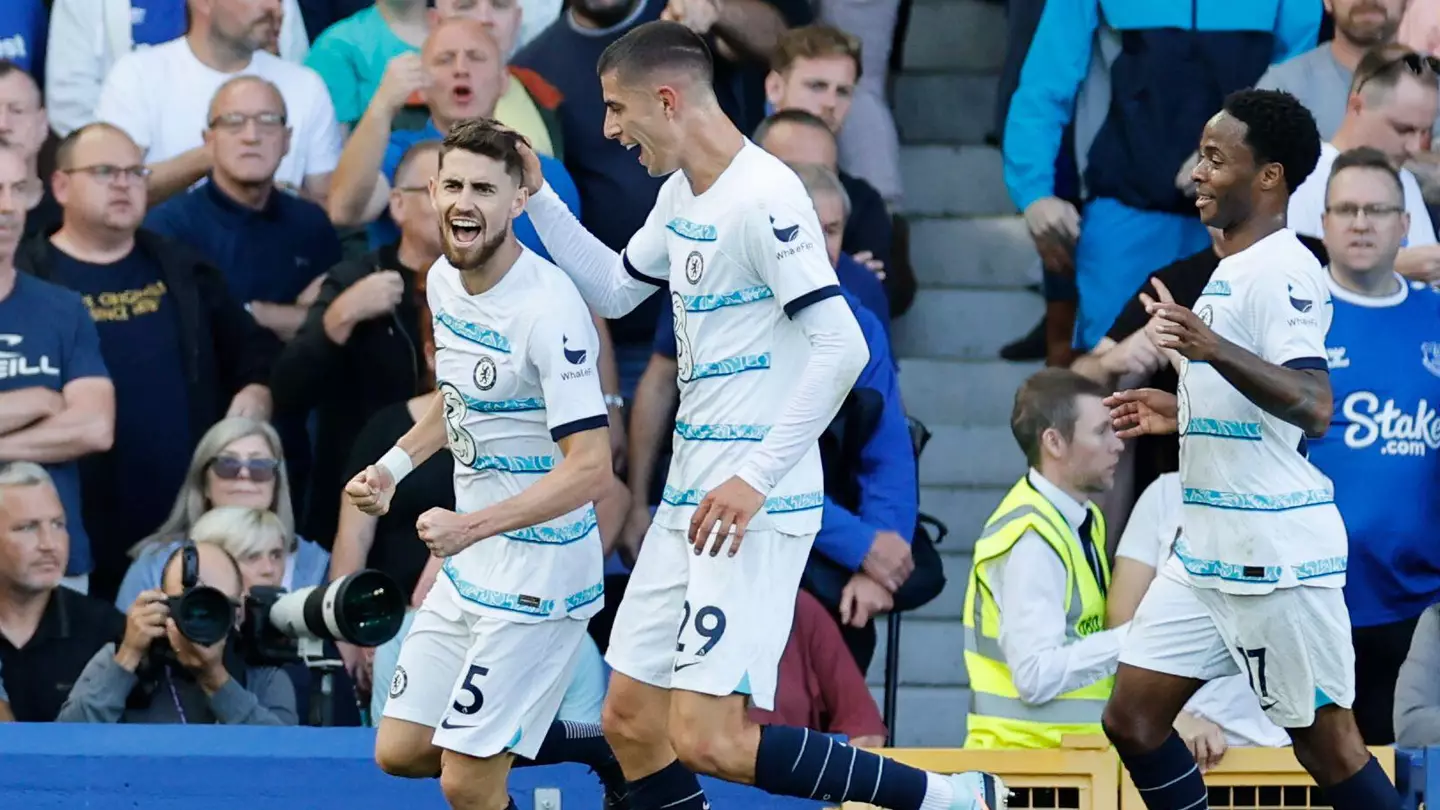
(365, 608)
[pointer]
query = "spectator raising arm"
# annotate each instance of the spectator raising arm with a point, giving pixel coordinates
(358, 190)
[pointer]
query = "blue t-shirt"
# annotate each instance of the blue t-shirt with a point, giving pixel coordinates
(384, 232)
(1383, 448)
(23, 28)
(48, 340)
(155, 21)
(139, 326)
(266, 255)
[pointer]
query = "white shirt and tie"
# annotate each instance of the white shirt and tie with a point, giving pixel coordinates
(1044, 662)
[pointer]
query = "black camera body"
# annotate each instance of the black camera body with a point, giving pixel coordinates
(278, 627)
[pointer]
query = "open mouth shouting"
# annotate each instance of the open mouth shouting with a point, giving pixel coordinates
(465, 230)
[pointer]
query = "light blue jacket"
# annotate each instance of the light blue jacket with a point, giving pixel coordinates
(1060, 60)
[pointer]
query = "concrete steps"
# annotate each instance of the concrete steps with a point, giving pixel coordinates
(973, 259)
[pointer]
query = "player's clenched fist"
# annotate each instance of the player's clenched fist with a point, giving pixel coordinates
(444, 532)
(370, 491)
(727, 508)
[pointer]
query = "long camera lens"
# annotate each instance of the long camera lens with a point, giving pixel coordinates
(365, 608)
(202, 614)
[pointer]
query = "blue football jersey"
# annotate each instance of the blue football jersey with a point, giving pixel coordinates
(1383, 448)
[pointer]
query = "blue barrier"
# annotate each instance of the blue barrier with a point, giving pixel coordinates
(1410, 776)
(64, 767)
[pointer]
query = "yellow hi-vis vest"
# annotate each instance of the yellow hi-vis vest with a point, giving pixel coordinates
(998, 717)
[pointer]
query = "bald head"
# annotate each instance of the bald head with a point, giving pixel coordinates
(466, 71)
(217, 569)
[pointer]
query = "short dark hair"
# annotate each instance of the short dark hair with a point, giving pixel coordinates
(488, 138)
(1364, 157)
(790, 115)
(65, 152)
(815, 42)
(1047, 400)
(1381, 68)
(1278, 129)
(658, 45)
(416, 151)
(8, 66)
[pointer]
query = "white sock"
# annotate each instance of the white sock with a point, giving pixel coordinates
(939, 795)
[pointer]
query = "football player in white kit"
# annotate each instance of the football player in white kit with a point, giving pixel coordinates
(766, 349)
(1253, 585)
(484, 667)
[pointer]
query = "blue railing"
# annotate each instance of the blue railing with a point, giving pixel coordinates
(69, 767)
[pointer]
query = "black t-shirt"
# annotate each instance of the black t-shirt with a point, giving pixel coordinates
(1186, 279)
(39, 675)
(139, 325)
(397, 550)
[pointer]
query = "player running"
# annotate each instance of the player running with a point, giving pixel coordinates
(767, 349)
(484, 667)
(1254, 584)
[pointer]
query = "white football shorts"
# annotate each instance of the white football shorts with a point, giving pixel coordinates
(713, 625)
(485, 685)
(1292, 644)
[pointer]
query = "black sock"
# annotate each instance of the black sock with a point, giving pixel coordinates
(582, 743)
(810, 765)
(1368, 789)
(512, 805)
(1167, 777)
(673, 787)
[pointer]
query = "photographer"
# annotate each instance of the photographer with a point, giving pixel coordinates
(144, 682)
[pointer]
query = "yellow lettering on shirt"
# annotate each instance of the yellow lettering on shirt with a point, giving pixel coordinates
(122, 305)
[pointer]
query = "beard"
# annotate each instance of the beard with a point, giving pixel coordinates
(604, 13)
(1367, 33)
(475, 256)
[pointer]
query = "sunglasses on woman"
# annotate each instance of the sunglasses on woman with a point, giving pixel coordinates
(262, 470)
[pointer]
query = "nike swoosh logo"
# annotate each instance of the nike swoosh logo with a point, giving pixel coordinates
(445, 723)
(679, 667)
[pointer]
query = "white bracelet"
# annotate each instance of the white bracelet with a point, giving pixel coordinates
(398, 462)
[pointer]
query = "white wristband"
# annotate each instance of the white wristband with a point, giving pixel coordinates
(398, 462)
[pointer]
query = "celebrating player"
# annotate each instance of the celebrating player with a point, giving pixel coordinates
(1254, 584)
(767, 349)
(484, 667)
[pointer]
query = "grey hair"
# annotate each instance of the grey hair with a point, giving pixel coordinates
(820, 180)
(22, 474)
(241, 530)
(191, 503)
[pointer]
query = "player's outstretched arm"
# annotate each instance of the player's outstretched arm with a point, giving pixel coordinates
(612, 283)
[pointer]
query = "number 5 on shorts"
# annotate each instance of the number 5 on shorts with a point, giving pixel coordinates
(1256, 671)
(477, 700)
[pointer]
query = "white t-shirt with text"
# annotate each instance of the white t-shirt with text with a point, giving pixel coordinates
(1307, 204)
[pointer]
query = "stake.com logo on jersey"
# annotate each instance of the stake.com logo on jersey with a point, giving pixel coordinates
(789, 235)
(1397, 432)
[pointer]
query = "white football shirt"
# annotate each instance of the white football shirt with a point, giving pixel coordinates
(516, 367)
(1257, 515)
(161, 97)
(740, 259)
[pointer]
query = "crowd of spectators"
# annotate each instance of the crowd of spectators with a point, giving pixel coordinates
(214, 232)
(215, 227)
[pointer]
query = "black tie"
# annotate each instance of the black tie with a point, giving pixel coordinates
(1092, 554)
